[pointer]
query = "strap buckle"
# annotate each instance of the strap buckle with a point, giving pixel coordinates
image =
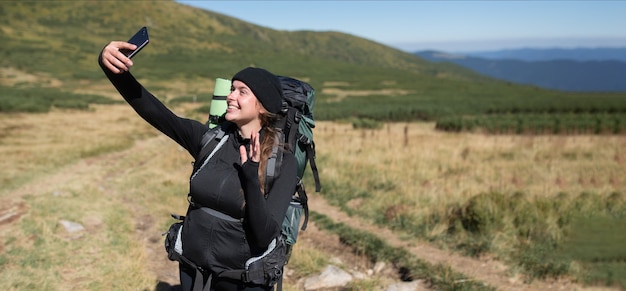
(245, 276)
(304, 139)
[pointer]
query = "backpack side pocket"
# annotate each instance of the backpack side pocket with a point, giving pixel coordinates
(173, 242)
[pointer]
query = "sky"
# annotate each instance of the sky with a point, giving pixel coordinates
(451, 26)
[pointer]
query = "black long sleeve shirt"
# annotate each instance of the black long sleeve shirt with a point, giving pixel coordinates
(223, 184)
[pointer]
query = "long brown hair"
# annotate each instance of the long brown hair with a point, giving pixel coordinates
(269, 140)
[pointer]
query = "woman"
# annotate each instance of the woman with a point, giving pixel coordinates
(230, 182)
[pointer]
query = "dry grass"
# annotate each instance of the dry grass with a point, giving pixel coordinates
(52, 165)
(120, 179)
(420, 181)
(436, 168)
(112, 173)
(36, 143)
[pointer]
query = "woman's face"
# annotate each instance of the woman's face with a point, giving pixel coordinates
(243, 106)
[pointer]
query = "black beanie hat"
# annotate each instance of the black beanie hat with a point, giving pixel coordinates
(264, 85)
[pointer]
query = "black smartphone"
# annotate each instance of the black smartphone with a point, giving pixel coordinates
(140, 39)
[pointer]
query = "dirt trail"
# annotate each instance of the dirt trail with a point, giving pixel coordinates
(488, 271)
(101, 168)
(99, 171)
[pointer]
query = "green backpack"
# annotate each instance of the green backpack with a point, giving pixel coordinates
(296, 127)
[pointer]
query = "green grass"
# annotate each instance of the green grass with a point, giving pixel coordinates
(583, 122)
(38, 99)
(550, 234)
(596, 243)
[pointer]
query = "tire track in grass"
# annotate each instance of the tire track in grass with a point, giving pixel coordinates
(487, 270)
(101, 170)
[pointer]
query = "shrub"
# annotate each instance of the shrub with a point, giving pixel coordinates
(366, 123)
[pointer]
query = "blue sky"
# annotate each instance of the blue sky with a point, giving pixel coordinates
(453, 26)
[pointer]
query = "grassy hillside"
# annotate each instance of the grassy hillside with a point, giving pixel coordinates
(54, 36)
(58, 42)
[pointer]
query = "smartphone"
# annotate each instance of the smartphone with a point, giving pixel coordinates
(140, 39)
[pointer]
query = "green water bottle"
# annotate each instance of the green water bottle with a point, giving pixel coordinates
(218, 106)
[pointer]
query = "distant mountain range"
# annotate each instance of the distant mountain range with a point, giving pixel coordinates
(534, 55)
(577, 70)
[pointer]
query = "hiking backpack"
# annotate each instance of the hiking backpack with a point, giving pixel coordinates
(295, 130)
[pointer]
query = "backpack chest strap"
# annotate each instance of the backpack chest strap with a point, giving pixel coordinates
(212, 212)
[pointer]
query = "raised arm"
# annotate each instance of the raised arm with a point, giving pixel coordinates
(116, 66)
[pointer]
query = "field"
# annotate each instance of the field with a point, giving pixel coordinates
(494, 196)
(548, 205)
(449, 177)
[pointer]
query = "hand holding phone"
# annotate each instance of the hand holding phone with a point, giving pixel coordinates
(140, 39)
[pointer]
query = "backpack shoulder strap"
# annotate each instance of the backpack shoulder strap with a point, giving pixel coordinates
(211, 136)
(211, 141)
(273, 168)
(274, 163)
